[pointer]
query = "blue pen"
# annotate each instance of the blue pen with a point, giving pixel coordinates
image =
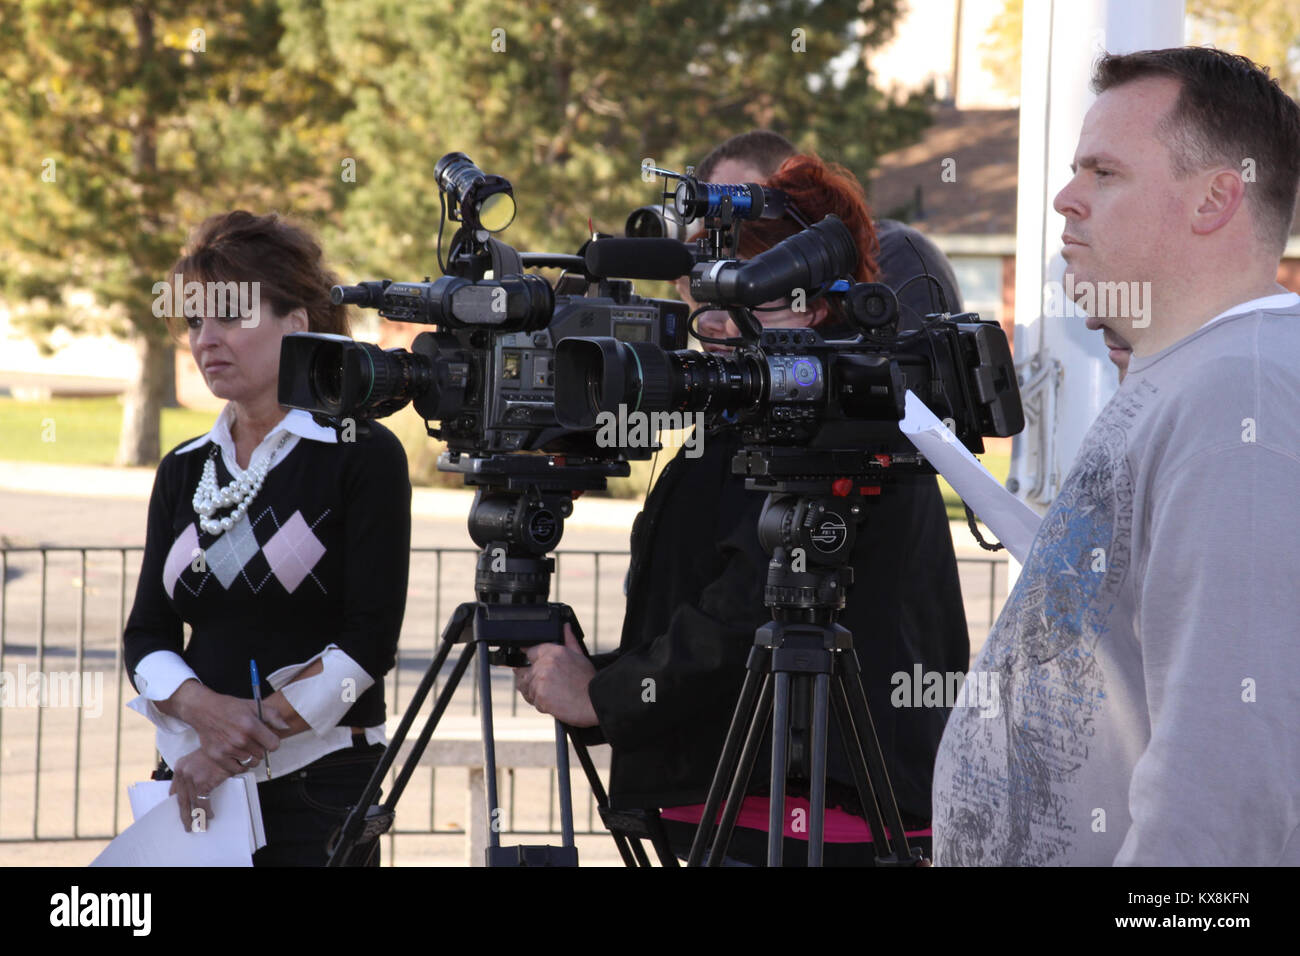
(257, 696)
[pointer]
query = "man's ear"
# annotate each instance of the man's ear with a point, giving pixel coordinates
(298, 317)
(1223, 196)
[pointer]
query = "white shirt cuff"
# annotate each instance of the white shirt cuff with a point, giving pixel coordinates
(157, 676)
(322, 700)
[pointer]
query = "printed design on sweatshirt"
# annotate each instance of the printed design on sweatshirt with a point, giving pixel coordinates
(1003, 784)
(285, 551)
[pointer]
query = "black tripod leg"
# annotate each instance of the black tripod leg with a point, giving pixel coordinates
(630, 850)
(659, 839)
(900, 853)
(489, 753)
(780, 767)
(566, 791)
(426, 733)
(857, 765)
(740, 782)
(857, 698)
(740, 718)
(355, 822)
(817, 797)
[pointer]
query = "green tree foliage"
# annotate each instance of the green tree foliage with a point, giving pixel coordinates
(157, 113)
(566, 99)
(123, 125)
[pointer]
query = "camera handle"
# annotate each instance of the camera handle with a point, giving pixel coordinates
(803, 649)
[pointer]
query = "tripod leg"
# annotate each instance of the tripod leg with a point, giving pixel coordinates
(353, 825)
(780, 766)
(861, 779)
(426, 733)
(857, 698)
(566, 794)
(659, 840)
(740, 782)
(730, 750)
(817, 797)
(489, 751)
(630, 850)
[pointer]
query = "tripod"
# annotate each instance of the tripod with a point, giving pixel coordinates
(801, 666)
(517, 518)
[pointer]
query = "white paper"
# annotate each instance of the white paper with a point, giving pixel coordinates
(146, 795)
(158, 838)
(1013, 521)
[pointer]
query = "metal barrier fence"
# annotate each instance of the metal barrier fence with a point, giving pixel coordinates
(68, 747)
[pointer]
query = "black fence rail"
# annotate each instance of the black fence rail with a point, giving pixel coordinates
(69, 746)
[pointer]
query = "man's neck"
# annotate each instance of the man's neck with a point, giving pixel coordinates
(1192, 308)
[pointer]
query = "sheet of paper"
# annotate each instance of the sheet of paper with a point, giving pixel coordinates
(1013, 521)
(146, 795)
(233, 830)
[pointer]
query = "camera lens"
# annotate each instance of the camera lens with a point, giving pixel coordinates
(595, 375)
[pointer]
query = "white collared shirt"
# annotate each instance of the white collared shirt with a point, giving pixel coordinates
(316, 699)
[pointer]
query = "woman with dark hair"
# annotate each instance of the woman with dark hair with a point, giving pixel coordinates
(283, 545)
(664, 699)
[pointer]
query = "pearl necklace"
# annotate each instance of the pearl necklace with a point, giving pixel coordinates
(240, 492)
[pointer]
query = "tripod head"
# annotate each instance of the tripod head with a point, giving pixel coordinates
(517, 519)
(817, 501)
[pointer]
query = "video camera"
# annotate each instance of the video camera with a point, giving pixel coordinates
(487, 374)
(806, 406)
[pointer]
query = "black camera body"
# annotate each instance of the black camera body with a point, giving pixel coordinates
(808, 404)
(487, 374)
(807, 407)
(505, 395)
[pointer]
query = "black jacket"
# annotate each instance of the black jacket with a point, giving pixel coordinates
(695, 597)
(665, 698)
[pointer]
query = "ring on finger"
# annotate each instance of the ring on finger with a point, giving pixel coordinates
(247, 760)
(203, 797)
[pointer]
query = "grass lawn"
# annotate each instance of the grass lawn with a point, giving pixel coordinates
(84, 431)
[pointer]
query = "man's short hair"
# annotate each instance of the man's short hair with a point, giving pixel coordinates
(1228, 111)
(760, 148)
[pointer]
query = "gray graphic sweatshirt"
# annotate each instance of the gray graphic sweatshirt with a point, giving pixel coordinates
(1147, 661)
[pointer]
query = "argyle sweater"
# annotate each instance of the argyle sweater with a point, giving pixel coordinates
(321, 557)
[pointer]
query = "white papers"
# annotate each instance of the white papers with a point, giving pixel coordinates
(1013, 521)
(157, 838)
(146, 795)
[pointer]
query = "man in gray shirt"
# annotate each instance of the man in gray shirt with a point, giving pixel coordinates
(1146, 663)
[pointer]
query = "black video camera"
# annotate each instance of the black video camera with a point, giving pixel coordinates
(487, 374)
(806, 406)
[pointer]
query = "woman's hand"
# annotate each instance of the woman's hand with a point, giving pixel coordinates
(279, 715)
(194, 778)
(229, 731)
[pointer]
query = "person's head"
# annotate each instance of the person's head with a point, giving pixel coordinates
(745, 158)
(1185, 178)
(817, 188)
(283, 286)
